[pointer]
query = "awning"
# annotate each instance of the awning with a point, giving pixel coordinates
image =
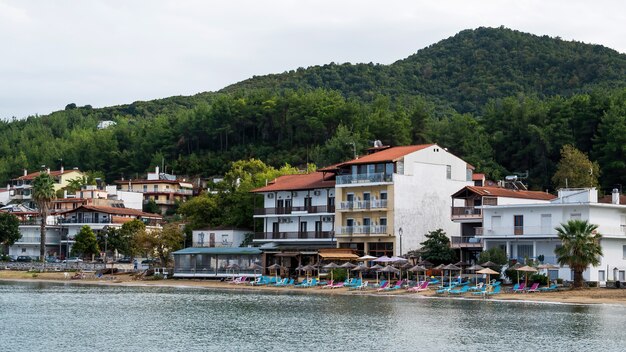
(185, 185)
(341, 256)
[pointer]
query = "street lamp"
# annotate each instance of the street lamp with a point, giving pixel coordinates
(400, 233)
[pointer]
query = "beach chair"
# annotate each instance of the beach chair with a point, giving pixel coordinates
(282, 282)
(353, 283)
(329, 284)
(397, 286)
(552, 287)
(486, 288)
(362, 286)
(383, 286)
(338, 285)
(520, 288)
(244, 280)
(459, 291)
(303, 284)
(236, 280)
(424, 286)
(382, 282)
(477, 287)
(533, 288)
(495, 291)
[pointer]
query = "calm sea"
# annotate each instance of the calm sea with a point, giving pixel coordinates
(66, 317)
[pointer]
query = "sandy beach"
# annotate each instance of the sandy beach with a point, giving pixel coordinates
(568, 296)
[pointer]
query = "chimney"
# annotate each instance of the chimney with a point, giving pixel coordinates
(615, 196)
(156, 170)
(25, 172)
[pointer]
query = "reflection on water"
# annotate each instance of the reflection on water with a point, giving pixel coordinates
(65, 317)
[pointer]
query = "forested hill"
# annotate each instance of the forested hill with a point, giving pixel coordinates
(504, 101)
(467, 70)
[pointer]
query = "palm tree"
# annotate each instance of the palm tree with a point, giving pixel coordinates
(43, 194)
(580, 247)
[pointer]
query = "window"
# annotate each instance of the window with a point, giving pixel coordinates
(388, 169)
(518, 224)
(349, 222)
(383, 221)
(308, 201)
(23, 250)
(201, 238)
(622, 275)
(378, 249)
(624, 252)
(303, 225)
(601, 275)
(524, 251)
(155, 188)
(145, 188)
(448, 172)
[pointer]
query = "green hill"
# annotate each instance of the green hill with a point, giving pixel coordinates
(503, 100)
(467, 70)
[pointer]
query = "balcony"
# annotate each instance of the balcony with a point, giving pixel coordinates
(363, 205)
(466, 242)
(314, 209)
(187, 192)
(516, 231)
(50, 240)
(363, 230)
(464, 213)
(293, 235)
(363, 178)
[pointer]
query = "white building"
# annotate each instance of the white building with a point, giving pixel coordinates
(297, 217)
(528, 230)
(390, 198)
(468, 214)
(219, 237)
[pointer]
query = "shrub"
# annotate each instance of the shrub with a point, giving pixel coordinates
(339, 274)
(540, 278)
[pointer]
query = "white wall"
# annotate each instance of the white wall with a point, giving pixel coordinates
(223, 238)
(422, 204)
(132, 200)
(298, 200)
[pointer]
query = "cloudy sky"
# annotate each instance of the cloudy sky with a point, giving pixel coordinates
(109, 52)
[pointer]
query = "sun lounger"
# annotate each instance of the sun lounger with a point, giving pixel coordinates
(363, 286)
(533, 288)
(353, 283)
(329, 284)
(244, 280)
(282, 282)
(459, 291)
(552, 287)
(382, 282)
(520, 288)
(383, 286)
(338, 285)
(397, 286)
(496, 290)
(303, 284)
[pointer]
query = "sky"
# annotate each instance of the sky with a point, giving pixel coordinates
(106, 52)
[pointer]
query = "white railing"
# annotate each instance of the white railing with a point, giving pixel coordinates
(538, 231)
(374, 229)
(363, 178)
(363, 204)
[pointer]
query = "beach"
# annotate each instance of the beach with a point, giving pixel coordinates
(567, 296)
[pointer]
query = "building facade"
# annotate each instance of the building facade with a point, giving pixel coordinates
(467, 211)
(527, 231)
(219, 237)
(389, 199)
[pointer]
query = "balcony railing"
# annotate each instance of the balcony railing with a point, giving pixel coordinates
(364, 204)
(466, 242)
(293, 235)
(174, 191)
(363, 230)
(50, 240)
(363, 178)
(466, 213)
(288, 210)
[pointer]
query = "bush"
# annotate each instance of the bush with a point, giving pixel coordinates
(540, 278)
(339, 274)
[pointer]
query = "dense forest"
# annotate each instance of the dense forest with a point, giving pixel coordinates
(503, 100)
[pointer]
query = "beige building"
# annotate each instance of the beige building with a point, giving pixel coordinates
(20, 188)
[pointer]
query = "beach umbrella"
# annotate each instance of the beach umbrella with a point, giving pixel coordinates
(527, 269)
(461, 264)
(417, 269)
(307, 269)
(489, 264)
(405, 267)
(275, 268)
(375, 268)
(255, 267)
(383, 259)
(347, 266)
(389, 269)
(475, 268)
(395, 259)
(450, 268)
(233, 267)
(547, 267)
(425, 263)
(366, 257)
(489, 272)
(515, 267)
(360, 269)
(331, 266)
(440, 267)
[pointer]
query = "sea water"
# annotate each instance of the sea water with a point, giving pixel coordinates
(68, 317)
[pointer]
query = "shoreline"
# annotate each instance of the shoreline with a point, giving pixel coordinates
(592, 296)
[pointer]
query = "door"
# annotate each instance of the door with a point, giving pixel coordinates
(303, 231)
(518, 224)
(318, 229)
(275, 230)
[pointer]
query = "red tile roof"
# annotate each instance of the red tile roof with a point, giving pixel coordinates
(505, 192)
(608, 199)
(313, 180)
(115, 211)
(55, 173)
(387, 155)
(478, 177)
